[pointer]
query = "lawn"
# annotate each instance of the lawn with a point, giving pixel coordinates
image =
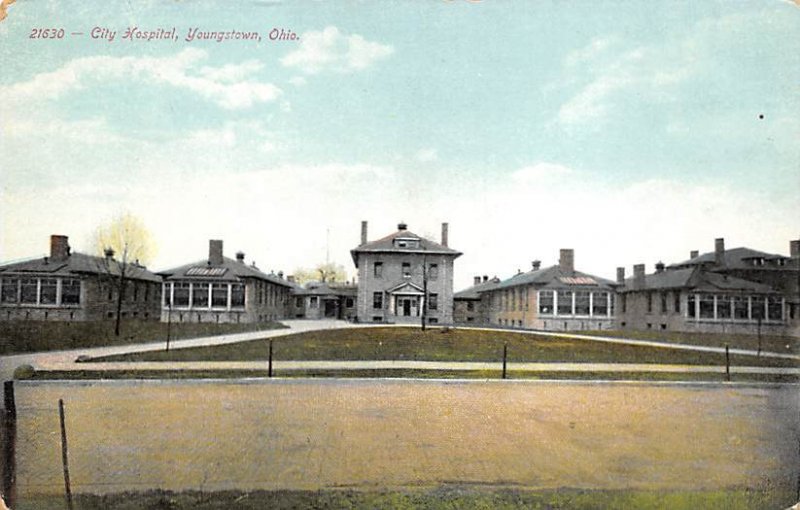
(33, 336)
(441, 498)
(785, 344)
(383, 343)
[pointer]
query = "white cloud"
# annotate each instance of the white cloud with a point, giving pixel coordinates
(427, 155)
(297, 81)
(539, 172)
(228, 86)
(331, 50)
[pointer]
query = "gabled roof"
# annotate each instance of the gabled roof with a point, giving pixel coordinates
(698, 279)
(474, 292)
(329, 289)
(77, 264)
(556, 277)
(229, 271)
(735, 258)
(387, 245)
(405, 284)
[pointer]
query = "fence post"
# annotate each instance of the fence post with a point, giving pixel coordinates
(505, 358)
(64, 453)
(270, 359)
(727, 363)
(9, 487)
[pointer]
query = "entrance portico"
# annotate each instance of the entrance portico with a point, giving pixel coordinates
(406, 301)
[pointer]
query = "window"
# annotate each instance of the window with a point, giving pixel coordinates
(649, 302)
(564, 302)
(433, 272)
(706, 306)
(740, 308)
(377, 300)
(377, 270)
(690, 305)
(48, 291)
(237, 295)
(406, 269)
(582, 302)
(313, 302)
(135, 291)
(28, 290)
(723, 307)
(298, 302)
(663, 303)
(219, 295)
(757, 307)
(181, 294)
(348, 303)
(433, 301)
(677, 303)
(10, 291)
(600, 303)
(623, 302)
(70, 292)
(470, 306)
(546, 302)
(200, 295)
(774, 309)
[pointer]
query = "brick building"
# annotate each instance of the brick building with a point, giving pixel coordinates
(67, 286)
(553, 298)
(467, 307)
(403, 276)
(219, 289)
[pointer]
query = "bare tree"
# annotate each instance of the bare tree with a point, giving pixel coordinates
(125, 244)
(329, 272)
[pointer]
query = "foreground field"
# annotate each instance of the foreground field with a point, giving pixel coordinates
(441, 345)
(784, 344)
(34, 336)
(445, 498)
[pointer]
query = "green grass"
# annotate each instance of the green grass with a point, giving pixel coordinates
(784, 344)
(449, 497)
(33, 336)
(441, 345)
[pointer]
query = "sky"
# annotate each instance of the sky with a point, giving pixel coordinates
(631, 132)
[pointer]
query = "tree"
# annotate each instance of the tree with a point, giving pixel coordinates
(124, 244)
(328, 272)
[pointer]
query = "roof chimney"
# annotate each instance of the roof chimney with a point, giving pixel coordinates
(402, 226)
(694, 254)
(794, 248)
(59, 247)
(240, 256)
(566, 260)
(621, 275)
(719, 251)
(659, 267)
(109, 253)
(536, 264)
(215, 252)
(363, 232)
(477, 280)
(638, 276)
(290, 278)
(445, 227)
(280, 275)
(485, 278)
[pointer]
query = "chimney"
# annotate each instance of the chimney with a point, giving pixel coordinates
(638, 276)
(566, 260)
(485, 278)
(290, 278)
(794, 249)
(402, 226)
(363, 232)
(659, 267)
(477, 280)
(280, 275)
(719, 251)
(239, 256)
(694, 254)
(445, 228)
(215, 252)
(109, 253)
(536, 264)
(621, 275)
(59, 247)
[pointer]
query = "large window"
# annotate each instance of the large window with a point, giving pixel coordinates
(706, 306)
(377, 300)
(600, 303)
(237, 295)
(740, 307)
(71, 292)
(774, 308)
(181, 294)
(757, 308)
(582, 302)
(10, 291)
(28, 290)
(564, 302)
(313, 302)
(723, 307)
(433, 272)
(663, 303)
(49, 291)
(433, 301)
(219, 295)
(200, 295)
(690, 305)
(377, 270)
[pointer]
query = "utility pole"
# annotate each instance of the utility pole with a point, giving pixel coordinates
(424, 288)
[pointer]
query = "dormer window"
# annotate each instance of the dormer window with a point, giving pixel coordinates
(406, 243)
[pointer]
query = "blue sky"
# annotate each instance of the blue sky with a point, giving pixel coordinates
(629, 131)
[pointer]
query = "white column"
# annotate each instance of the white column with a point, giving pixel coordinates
(555, 302)
(191, 296)
(609, 297)
(591, 304)
(697, 307)
(172, 295)
(38, 291)
(749, 307)
(573, 303)
(715, 307)
(229, 297)
(210, 293)
(58, 291)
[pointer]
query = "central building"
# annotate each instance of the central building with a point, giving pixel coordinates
(405, 278)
